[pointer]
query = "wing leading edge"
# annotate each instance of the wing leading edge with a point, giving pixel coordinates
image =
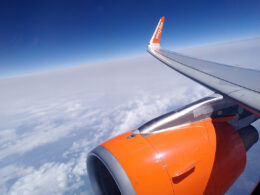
(239, 84)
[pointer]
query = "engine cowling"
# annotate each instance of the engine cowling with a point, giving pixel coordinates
(169, 155)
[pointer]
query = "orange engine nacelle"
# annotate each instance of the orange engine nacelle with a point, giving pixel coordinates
(203, 157)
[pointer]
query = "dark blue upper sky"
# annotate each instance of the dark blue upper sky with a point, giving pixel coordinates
(40, 35)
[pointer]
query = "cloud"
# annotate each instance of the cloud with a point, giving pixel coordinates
(51, 178)
(71, 118)
(10, 172)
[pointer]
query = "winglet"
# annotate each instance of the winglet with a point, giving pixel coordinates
(155, 40)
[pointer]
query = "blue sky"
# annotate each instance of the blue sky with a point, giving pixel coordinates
(42, 35)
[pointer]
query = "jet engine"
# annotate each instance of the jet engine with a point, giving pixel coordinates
(198, 149)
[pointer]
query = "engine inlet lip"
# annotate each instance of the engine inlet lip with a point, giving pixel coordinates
(113, 166)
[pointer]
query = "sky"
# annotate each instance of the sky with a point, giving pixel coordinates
(37, 36)
(49, 121)
(75, 73)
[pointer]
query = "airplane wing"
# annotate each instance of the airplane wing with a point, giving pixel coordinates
(241, 85)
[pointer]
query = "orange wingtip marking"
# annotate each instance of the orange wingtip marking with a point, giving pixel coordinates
(158, 33)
